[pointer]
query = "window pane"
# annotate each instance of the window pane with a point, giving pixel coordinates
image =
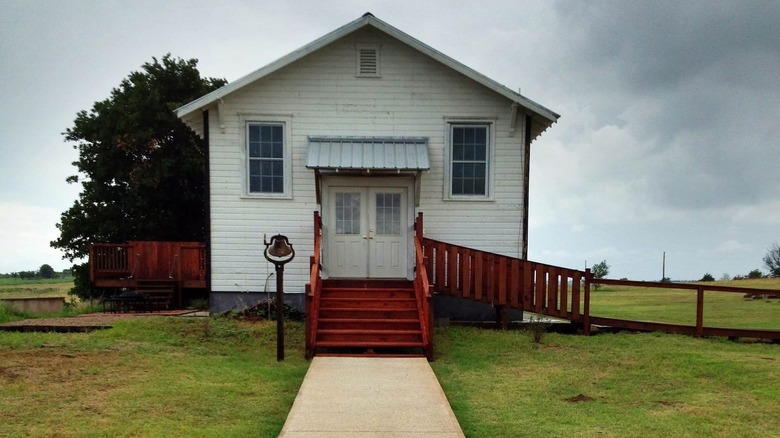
(277, 150)
(457, 186)
(479, 186)
(254, 133)
(254, 184)
(347, 213)
(458, 152)
(388, 214)
(480, 153)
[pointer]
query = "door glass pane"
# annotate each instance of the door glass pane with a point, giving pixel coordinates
(347, 213)
(388, 214)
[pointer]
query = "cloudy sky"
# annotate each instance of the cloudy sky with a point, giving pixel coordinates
(669, 139)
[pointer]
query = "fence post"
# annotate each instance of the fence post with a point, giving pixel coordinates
(586, 307)
(700, 311)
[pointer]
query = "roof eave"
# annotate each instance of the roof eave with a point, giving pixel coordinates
(363, 21)
(315, 45)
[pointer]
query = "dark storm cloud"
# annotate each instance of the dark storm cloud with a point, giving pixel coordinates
(693, 84)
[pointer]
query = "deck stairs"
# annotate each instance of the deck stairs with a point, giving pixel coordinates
(368, 317)
(160, 293)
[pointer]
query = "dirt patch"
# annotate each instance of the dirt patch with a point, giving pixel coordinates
(668, 403)
(579, 398)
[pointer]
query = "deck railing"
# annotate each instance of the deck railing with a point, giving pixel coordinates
(507, 282)
(314, 288)
(110, 260)
(181, 261)
(422, 290)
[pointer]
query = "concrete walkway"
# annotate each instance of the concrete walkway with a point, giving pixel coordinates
(370, 397)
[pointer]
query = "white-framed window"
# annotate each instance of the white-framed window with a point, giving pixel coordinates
(468, 170)
(268, 162)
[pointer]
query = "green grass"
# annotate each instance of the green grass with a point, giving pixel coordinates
(501, 384)
(19, 288)
(150, 376)
(166, 376)
(676, 306)
(9, 313)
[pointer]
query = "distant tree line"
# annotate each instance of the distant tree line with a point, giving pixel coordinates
(45, 271)
(755, 273)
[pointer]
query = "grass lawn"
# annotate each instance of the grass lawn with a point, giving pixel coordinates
(501, 384)
(150, 376)
(676, 306)
(155, 376)
(19, 288)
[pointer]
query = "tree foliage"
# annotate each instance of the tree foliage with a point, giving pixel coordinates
(772, 260)
(46, 271)
(141, 169)
(600, 270)
(707, 277)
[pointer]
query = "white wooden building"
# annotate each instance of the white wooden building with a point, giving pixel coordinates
(368, 126)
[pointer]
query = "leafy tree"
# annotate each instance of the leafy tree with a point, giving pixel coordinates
(141, 169)
(599, 270)
(755, 273)
(772, 260)
(46, 271)
(707, 277)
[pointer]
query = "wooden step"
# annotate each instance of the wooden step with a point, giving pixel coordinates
(368, 303)
(375, 284)
(362, 313)
(357, 337)
(369, 344)
(369, 324)
(159, 292)
(345, 292)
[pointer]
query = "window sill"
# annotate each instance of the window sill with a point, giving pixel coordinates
(469, 199)
(281, 196)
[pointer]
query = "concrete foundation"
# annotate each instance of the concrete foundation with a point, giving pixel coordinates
(37, 305)
(445, 307)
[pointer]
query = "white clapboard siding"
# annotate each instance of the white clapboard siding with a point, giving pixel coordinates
(321, 95)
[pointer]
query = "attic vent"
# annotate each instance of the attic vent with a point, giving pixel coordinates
(368, 61)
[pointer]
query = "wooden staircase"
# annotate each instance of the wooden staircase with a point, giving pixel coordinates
(373, 317)
(160, 294)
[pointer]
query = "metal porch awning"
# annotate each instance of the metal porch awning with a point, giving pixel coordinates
(368, 153)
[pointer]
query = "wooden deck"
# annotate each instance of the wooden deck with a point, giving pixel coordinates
(166, 271)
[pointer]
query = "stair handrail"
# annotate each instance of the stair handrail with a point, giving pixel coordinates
(422, 290)
(314, 288)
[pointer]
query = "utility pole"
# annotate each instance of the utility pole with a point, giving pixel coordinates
(663, 268)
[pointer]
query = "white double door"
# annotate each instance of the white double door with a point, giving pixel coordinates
(367, 232)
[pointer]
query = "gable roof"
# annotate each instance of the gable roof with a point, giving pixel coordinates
(542, 115)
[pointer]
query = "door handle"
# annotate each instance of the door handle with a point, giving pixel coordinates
(369, 234)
